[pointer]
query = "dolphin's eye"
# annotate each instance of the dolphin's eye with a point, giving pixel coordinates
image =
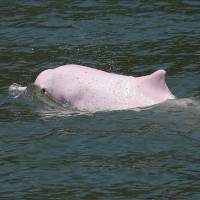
(43, 90)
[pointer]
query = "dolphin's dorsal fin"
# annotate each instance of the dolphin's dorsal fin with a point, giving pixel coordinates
(155, 85)
(157, 79)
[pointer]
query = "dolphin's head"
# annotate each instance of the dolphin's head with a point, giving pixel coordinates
(44, 81)
(49, 84)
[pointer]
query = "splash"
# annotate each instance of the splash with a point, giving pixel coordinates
(16, 90)
(30, 93)
(40, 103)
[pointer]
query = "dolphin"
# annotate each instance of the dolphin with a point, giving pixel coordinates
(89, 89)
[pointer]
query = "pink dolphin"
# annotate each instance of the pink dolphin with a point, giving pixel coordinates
(93, 90)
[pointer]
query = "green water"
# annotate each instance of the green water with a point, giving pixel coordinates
(48, 154)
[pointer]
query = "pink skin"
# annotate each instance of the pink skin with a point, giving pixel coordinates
(95, 90)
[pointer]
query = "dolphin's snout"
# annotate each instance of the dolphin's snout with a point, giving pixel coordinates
(15, 90)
